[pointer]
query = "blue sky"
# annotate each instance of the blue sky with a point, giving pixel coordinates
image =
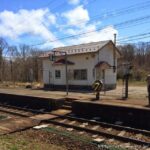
(44, 23)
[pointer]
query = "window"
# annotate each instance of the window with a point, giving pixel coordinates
(80, 74)
(57, 74)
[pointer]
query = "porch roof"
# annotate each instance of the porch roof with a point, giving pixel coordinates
(63, 62)
(103, 65)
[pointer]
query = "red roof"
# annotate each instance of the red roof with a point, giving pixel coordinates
(63, 62)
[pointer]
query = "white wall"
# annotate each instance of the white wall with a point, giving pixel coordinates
(62, 79)
(106, 54)
(83, 61)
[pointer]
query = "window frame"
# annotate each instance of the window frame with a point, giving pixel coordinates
(80, 74)
(57, 74)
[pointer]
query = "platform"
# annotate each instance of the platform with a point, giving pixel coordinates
(28, 101)
(137, 96)
(110, 108)
(129, 115)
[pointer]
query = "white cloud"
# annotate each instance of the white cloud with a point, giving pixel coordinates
(93, 34)
(33, 22)
(100, 35)
(79, 14)
(78, 23)
(74, 2)
(37, 23)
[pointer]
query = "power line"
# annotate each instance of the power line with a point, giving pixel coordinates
(110, 14)
(49, 3)
(118, 12)
(119, 25)
(134, 36)
(60, 6)
(138, 38)
(147, 4)
(138, 42)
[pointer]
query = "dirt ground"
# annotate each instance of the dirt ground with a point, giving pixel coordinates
(137, 96)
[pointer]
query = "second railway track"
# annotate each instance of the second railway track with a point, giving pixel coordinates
(18, 111)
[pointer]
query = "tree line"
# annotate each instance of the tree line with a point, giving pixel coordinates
(138, 55)
(19, 63)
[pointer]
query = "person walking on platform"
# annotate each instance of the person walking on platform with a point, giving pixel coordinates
(148, 88)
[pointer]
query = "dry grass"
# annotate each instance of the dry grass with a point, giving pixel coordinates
(132, 83)
(49, 140)
(7, 84)
(41, 140)
(22, 141)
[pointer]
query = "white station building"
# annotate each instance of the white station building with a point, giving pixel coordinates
(85, 63)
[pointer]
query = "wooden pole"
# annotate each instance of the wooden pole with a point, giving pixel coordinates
(114, 54)
(66, 73)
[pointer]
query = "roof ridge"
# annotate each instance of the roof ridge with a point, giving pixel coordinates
(83, 44)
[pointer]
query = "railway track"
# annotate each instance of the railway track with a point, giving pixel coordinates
(18, 111)
(110, 131)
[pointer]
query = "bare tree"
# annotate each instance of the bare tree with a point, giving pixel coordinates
(3, 47)
(12, 53)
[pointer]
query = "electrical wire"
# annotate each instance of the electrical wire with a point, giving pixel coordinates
(132, 22)
(60, 6)
(122, 25)
(110, 14)
(49, 3)
(131, 9)
(134, 36)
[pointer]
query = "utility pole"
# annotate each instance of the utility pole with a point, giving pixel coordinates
(126, 86)
(127, 73)
(114, 53)
(11, 70)
(66, 73)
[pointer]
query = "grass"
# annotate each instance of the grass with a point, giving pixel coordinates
(10, 84)
(2, 117)
(85, 140)
(22, 142)
(32, 141)
(133, 83)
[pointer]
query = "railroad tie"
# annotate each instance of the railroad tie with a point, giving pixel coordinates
(122, 133)
(95, 127)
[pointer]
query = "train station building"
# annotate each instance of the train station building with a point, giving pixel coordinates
(80, 65)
